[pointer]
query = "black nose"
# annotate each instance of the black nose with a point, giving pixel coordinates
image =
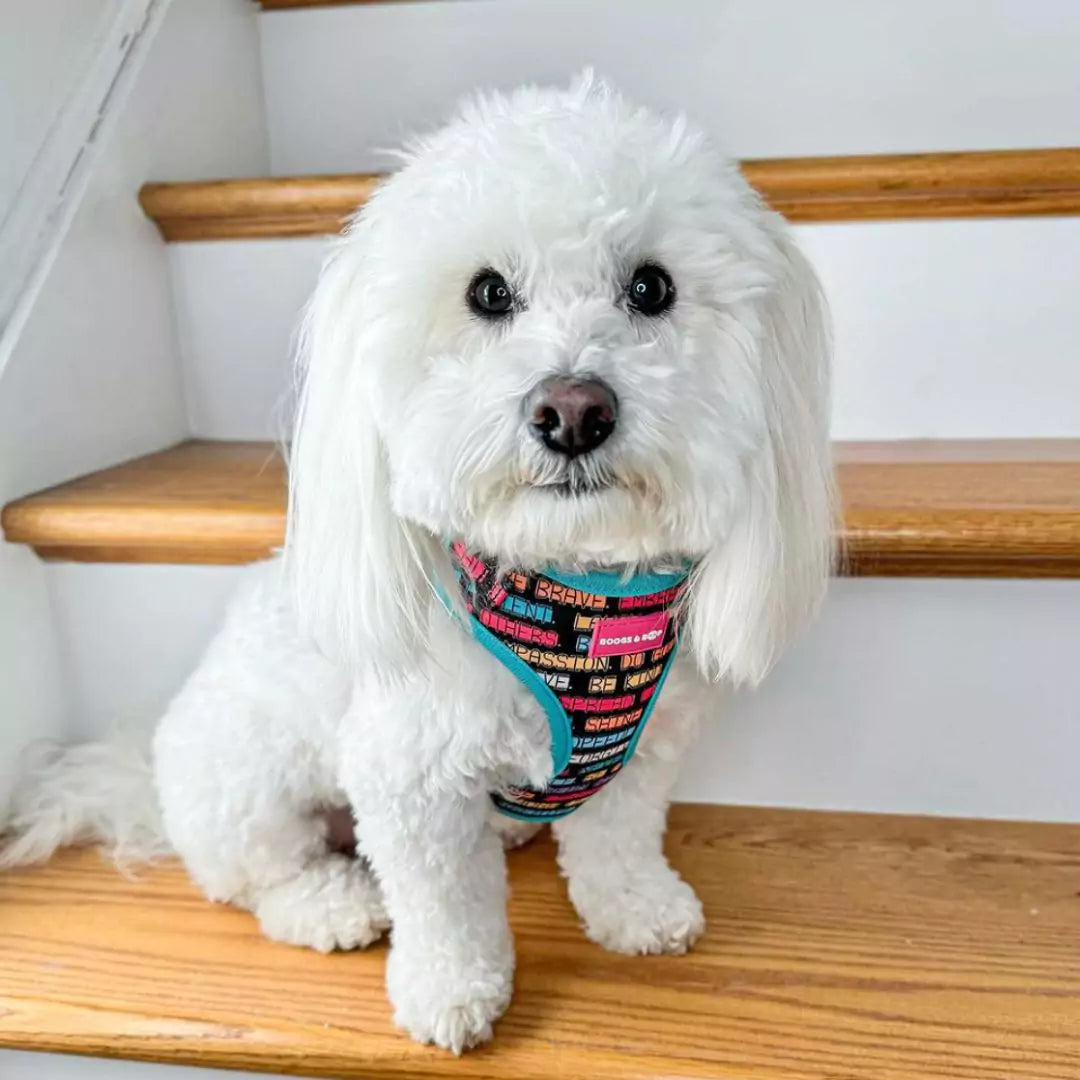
(572, 416)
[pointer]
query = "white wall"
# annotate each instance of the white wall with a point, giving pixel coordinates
(95, 376)
(238, 304)
(923, 696)
(943, 328)
(126, 659)
(771, 78)
(953, 329)
(45, 48)
(914, 696)
(34, 698)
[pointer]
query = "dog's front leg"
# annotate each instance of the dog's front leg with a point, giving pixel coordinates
(443, 875)
(611, 850)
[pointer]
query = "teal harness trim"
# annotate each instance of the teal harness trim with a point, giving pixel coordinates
(614, 583)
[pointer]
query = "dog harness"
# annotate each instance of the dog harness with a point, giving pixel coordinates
(594, 649)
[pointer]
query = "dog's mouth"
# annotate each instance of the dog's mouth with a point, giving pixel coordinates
(579, 488)
(577, 482)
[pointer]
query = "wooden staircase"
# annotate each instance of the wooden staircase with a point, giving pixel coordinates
(868, 947)
(973, 508)
(839, 945)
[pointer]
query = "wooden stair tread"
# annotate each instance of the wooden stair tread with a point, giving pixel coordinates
(200, 501)
(839, 945)
(1008, 508)
(992, 183)
(983, 508)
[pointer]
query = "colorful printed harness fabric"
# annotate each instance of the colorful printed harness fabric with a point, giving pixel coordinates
(594, 649)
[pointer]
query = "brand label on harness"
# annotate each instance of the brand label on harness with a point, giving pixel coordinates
(634, 634)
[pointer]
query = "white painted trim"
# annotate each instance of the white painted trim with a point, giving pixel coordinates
(51, 191)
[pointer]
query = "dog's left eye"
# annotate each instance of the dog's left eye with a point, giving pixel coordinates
(651, 290)
(489, 296)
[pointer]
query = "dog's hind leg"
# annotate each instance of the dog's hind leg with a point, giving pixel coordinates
(244, 765)
(258, 840)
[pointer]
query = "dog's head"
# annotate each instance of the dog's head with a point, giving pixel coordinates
(566, 331)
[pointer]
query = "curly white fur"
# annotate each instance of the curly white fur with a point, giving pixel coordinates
(338, 677)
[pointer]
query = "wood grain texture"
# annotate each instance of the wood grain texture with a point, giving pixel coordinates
(979, 508)
(231, 209)
(840, 947)
(964, 508)
(995, 183)
(970, 184)
(199, 502)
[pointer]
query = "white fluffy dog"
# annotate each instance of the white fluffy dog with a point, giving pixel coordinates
(569, 336)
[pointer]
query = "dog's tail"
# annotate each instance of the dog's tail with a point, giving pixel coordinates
(89, 793)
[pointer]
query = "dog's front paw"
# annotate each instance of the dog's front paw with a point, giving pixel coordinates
(452, 1006)
(651, 913)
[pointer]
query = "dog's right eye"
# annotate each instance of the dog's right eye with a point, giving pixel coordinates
(489, 296)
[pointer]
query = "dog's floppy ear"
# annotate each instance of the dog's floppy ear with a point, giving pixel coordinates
(764, 579)
(359, 572)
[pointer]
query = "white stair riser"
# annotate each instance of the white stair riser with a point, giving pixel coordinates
(922, 696)
(770, 78)
(238, 305)
(945, 329)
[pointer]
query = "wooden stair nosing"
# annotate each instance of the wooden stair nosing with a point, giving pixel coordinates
(983, 508)
(197, 502)
(839, 944)
(876, 187)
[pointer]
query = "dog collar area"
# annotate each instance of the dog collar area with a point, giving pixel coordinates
(593, 648)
